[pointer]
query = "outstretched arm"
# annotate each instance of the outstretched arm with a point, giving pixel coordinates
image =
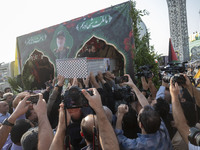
(192, 90)
(93, 81)
(142, 99)
(54, 94)
(122, 109)
(145, 85)
(152, 88)
(58, 140)
(21, 109)
(18, 98)
(45, 134)
(179, 118)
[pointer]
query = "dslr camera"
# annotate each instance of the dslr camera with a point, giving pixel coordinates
(145, 71)
(124, 94)
(74, 98)
(173, 70)
(194, 136)
(121, 79)
(180, 79)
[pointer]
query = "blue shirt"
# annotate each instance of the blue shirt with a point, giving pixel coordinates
(3, 117)
(9, 145)
(161, 92)
(156, 141)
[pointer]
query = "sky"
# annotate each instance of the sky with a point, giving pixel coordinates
(25, 16)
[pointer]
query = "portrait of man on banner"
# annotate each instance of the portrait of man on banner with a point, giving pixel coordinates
(61, 51)
(61, 43)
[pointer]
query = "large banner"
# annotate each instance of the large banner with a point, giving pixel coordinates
(38, 51)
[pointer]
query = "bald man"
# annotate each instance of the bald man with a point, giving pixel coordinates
(87, 130)
(4, 108)
(87, 127)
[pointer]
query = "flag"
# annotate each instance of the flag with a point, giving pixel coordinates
(197, 75)
(172, 54)
(16, 64)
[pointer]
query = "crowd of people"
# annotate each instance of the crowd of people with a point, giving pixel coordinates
(99, 113)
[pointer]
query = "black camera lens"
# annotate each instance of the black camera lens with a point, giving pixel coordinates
(167, 78)
(194, 136)
(180, 79)
(121, 79)
(74, 91)
(145, 71)
(74, 98)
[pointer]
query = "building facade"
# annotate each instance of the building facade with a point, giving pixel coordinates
(179, 28)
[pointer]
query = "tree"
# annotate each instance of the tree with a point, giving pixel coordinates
(143, 52)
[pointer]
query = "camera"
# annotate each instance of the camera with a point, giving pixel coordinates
(121, 79)
(194, 136)
(33, 98)
(124, 93)
(145, 71)
(173, 70)
(180, 79)
(74, 98)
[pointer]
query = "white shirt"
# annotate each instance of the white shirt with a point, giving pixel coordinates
(193, 147)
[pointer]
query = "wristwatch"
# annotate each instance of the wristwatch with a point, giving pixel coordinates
(144, 90)
(7, 123)
(58, 86)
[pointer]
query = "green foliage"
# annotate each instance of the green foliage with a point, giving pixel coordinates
(143, 52)
(21, 83)
(15, 84)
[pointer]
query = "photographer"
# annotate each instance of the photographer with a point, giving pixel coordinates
(76, 104)
(153, 129)
(148, 88)
(194, 92)
(150, 85)
(179, 118)
(107, 137)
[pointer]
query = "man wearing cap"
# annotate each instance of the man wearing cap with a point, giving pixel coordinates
(61, 51)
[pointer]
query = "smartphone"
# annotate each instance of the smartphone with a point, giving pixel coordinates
(33, 98)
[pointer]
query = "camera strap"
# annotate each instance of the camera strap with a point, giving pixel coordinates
(196, 110)
(67, 136)
(95, 136)
(197, 116)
